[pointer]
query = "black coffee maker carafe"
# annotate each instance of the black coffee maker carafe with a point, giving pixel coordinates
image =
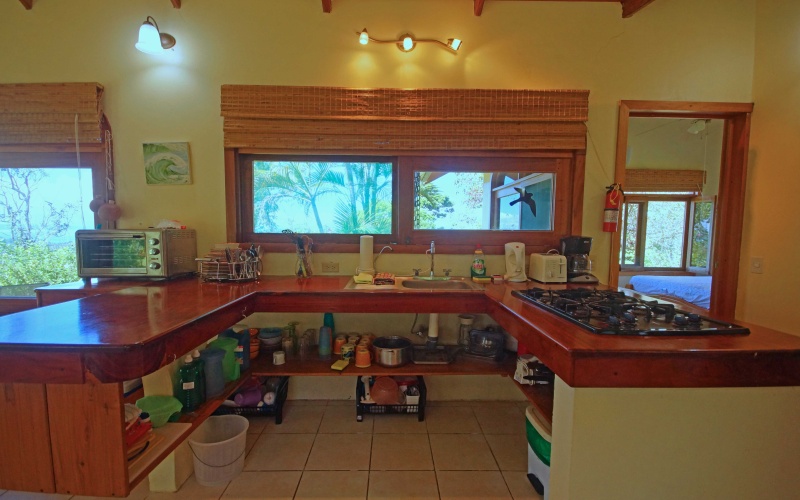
(576, 249)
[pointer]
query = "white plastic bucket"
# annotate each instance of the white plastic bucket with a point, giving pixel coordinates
(218, 446)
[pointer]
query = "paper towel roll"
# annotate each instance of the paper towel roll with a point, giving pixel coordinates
(433, 327)
(365, 260)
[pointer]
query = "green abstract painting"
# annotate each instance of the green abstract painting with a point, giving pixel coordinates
(167, 163)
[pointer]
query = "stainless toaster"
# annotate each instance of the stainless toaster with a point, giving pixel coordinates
(548, 268)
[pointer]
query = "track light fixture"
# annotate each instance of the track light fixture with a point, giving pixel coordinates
(152, 40)
(406, 43)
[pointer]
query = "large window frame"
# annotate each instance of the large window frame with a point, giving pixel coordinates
(568, 195)
(642, 202)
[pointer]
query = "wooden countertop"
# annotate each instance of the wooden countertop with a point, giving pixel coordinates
(133, 331)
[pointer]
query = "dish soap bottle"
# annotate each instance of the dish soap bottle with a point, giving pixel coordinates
(189, 386)
(478, 264)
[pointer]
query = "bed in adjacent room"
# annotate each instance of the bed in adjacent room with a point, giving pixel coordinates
(693, 289)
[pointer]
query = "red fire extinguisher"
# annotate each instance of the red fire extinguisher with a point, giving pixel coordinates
(614, 198)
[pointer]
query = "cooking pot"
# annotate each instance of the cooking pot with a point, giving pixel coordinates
(391, 351)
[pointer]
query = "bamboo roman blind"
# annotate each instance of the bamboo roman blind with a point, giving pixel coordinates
(41, 116)
(328, 118)
(672, 181)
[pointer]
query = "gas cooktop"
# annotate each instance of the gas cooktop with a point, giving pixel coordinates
(608, 312)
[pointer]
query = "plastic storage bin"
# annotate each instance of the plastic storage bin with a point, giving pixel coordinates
(160, 408)
(418, 408)
(230, 368)
(264, 410)
(539, 434)
(218, 446)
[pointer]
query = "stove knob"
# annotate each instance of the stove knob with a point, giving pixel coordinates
(681, 320)
(694, 318)
(628, 317)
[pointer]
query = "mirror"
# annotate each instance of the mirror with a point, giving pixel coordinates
(506, 201)
(681, 164)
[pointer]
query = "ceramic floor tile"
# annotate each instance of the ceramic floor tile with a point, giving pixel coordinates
(451, 419)
(401, 452)
(257, 424)
(250, 442)
(255, 485)
(343, 402)
(191, 490)
(308, 402)
(402, 485)
(502, 419)
(519, 486)
(279, 452)
(461, 485)
(26, 495)
(448, 403)
(461, 452)
(340, 452)
(509, 450)
(340, 419)
(398, 424)
(297, 419)
(141, 492)
(342, 485)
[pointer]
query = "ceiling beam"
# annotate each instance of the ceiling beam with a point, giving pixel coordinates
(631, 7)
(28, 4)
(176, 3)
(326, 6)
(478, 7)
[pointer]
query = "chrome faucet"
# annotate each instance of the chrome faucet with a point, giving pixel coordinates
(432, 251)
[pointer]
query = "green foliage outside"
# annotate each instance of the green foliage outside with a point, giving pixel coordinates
(700, 234)
(37, 263)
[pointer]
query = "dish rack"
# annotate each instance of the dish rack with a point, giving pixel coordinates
(231, 264)
(261, 411)
(418, 407)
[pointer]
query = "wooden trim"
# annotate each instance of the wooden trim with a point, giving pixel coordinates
(578, 173)
(176, 4)
(327, 6)
(477, 7)
(232, 197)
(10, 305)
(631, 7)
(733, 170)
(28, 4)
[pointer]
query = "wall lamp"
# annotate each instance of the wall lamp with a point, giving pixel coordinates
(152, 40)
(406, 43)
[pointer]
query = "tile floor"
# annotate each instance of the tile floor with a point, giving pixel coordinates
(463, 450)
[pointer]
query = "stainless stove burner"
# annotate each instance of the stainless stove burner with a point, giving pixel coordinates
(609, 312)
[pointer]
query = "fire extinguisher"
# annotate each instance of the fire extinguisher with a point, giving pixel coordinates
(614, 198)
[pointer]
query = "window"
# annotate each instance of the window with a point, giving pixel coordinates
(657, 234)
(41, 207)
(404, 199)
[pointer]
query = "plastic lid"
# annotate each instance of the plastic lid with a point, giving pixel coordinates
(196, 353)
(188, 359)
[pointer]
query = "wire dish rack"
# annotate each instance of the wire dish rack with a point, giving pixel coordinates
(231, 264)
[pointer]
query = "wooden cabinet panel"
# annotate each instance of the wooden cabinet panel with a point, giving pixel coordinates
(86, 430)
(26, 460)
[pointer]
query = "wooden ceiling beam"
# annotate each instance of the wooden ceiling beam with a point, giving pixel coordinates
(28, 4)
(477, 7)
(631, 7)
(327, 6)
(176, 3)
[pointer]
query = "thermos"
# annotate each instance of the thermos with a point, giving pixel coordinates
(325, 342)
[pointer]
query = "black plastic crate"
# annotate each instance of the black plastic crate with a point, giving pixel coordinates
(362, 409)
(261, 411)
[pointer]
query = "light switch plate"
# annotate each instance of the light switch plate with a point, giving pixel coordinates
(757, 265)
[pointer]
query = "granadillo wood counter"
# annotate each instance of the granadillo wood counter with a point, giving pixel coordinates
(61, 424)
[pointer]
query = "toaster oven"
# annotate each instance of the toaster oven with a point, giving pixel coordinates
(128, 253)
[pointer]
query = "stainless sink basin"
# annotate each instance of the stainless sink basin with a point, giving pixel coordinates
(451, 284)
(410, 283)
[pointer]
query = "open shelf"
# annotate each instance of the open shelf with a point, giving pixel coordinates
(171, 435)
(541, 397)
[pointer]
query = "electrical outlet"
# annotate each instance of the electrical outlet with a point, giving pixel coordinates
(330, 267)
(757, 265)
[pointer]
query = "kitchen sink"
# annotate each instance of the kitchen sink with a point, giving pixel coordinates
(411, 283)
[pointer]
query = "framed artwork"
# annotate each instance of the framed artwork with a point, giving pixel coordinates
(167, 163)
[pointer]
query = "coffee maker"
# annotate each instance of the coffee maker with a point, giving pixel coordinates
(576, 249)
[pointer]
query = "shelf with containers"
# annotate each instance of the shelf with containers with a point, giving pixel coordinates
(415, 405)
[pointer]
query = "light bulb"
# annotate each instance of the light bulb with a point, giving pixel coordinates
(408, 43)
(149, 39)
(454, 43)
(363, 37)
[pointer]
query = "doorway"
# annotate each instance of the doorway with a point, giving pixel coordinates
(726, 232)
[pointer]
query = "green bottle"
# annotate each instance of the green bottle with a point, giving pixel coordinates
(478, 263)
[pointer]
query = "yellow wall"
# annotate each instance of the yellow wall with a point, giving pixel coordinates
(772, 226)
(671, 50)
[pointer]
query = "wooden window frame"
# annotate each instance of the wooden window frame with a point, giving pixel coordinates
(568, 193)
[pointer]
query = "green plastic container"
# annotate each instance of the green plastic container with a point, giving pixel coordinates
(538, 436)
(230, 368)
(160, 408)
